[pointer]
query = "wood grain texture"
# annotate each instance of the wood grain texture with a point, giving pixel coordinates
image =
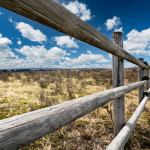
(149, 79)
(18, 131)
(119, 142)
(118, 80)
(147, 74)
(140, 78)
(54, 15)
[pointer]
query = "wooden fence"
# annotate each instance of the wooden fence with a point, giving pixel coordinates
(18, 131)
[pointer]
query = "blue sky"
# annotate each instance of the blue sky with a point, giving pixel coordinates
(27, 44)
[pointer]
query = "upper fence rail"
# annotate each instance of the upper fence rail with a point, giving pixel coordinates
(54, 15)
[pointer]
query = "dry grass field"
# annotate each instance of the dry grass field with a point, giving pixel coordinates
(21, 92)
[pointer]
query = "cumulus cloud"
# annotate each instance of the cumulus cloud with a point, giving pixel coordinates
(41, 55)
(34, 57)
(73, 51)
(79, 9)
(28, 32)
(19, 42)
(66, 41)
(84, 60)
(138, 42)
(112, 23)
(4, 42)
(5, 52)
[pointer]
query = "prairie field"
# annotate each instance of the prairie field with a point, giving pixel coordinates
(22, 92)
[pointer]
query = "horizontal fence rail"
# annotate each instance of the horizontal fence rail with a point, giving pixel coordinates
(18, 131)
(119, 142)
(54, 15)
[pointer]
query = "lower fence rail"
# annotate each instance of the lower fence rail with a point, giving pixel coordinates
(119, 142)
(18, 131)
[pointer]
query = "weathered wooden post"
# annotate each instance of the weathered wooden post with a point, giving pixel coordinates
(147, 74)
(149, 80)
(140, 78)
(118, 80)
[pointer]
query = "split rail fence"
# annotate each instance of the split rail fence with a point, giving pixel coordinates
(18, 131)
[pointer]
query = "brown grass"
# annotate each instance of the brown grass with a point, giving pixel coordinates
(21, 92)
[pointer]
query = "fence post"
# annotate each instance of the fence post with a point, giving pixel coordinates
(140, 77)
(118, 80)
(149, 80)
(147, 74)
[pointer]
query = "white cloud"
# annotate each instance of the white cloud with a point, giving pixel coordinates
(89, 52)
(73, 51)
(4, 42)
(79, 9)
(35, 57)
(88, 60)
(138, 42)
(119, 30)
(129, 65)
(110, 56)
(66, 41)
(39, 54)
(33, 51)
(28, 32)
(1, 13)
(19, 42)
(112, 23)
(5, 52)
(10, 20)
(99, 28)
(40, 57)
